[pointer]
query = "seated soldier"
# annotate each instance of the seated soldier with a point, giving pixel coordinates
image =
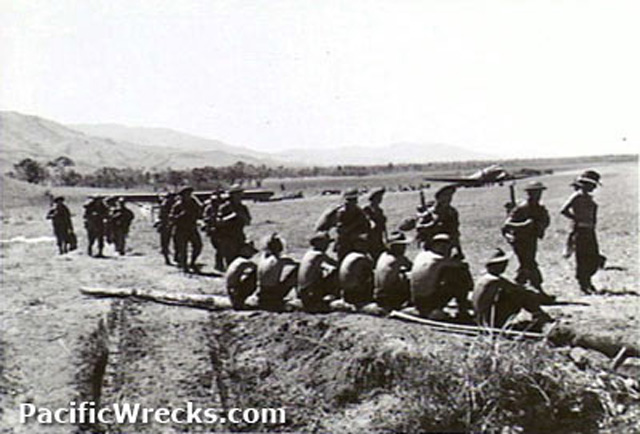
(436, 278)
(356, 274)
(241, 276)
(391, 275)
(277, 274)
(496, 299)
(318, 274)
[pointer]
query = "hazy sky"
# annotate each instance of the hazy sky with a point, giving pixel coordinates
(509, 77)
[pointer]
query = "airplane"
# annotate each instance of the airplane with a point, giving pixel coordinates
(490, 175)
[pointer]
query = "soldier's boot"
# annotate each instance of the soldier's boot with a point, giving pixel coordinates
(166, 259)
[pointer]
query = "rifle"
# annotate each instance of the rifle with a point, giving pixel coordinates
(423, 202)
(512, 199)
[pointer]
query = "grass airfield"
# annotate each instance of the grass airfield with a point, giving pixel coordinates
(335, 372)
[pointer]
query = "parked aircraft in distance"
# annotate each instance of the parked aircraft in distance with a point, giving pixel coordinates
(256, 195)
(491, 175)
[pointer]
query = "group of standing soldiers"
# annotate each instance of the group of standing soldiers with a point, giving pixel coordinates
(107, 220)
(371, 272)
(224, 217)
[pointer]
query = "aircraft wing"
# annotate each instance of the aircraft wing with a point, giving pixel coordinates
(256, 195)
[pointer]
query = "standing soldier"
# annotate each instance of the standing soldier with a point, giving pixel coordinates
(350, 221)
(163, 224)
(184, 216)
(391, 275)
(95, 215)
(121, 218)
(233, 216)
(439, 218)
(377, 223)
(582, 210)
(527, 223)
(210, 217)
(112, 205)
(62, 226)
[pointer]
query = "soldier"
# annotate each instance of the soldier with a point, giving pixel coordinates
(241, 276)
(356, 274)
(95, 214)
(437, 277)
(317, 275)
(211, 216)
(184, 216)
(441, 217)
(164, 226)
(277, 274)
(111, 204)
(497, 299)
(233, 216)
(582, 210)
(121, 218)
(350, 221)
(391, 275)
(62, 226)
(377, 223)
(527, 223)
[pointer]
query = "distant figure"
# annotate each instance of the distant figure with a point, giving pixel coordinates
(582, 210)
(277, 274)
(184, 215)
(349, 220)
(391, 275)
(112, 204)
(95, 215)
(497, 299)
(317, 275)
(356, 274)
(437, 278)
(60, 217)
(233, 217)
(242, 276)
(211, 218)
(377, 223)
(121, 218)
(441, 217)
(164, 225)
(527, 223)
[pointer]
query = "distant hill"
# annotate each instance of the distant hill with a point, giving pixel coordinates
(24, 136)
(166, 138)
(395, 153)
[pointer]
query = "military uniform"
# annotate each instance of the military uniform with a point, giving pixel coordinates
(184, 216)
(391, 281)
(496, 299)
(121, 218)
(164, 226)
(60, 217)
(95, 214)
(377, 223)
(211, 219)
(526, 224)
(582, 209)
(232, 219)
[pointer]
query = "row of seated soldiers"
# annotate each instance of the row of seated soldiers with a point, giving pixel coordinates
(424, 287)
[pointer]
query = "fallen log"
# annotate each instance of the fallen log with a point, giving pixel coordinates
(199, 301)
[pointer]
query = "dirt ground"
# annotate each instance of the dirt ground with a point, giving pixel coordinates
(57, 345)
